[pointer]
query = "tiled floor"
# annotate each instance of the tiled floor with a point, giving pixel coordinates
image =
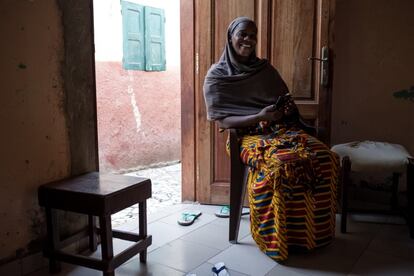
(368, 249)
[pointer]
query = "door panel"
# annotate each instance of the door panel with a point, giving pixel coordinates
(224, 13)
(289, 32)
(188, 140)
(292, 44)
(203, 129)
(221, 161)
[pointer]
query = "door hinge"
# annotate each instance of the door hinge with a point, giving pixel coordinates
(197, 63)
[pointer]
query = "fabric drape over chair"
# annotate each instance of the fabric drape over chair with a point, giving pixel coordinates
(292, 182)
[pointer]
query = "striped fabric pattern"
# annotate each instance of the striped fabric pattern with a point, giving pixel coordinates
(292, 187)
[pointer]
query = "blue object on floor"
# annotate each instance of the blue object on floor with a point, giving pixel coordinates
(188, 217)
(219, 269)
(224, 212)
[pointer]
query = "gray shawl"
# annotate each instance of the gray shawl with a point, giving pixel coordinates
(232, 88)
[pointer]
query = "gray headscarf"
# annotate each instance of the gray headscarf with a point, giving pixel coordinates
(232, 88)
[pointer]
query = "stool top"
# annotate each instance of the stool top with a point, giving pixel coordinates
(95, 193)
(96, 183)
(372, 156)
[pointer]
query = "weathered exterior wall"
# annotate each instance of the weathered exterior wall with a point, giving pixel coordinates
(138, 111)
(138, 116)
(34, 144)
(374, 59)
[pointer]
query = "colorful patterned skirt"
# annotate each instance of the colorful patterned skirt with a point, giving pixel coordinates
(292, 186)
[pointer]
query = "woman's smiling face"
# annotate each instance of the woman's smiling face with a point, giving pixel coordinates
(244, 40)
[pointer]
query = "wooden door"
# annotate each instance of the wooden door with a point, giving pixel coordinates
(300, 30)
(289, 32)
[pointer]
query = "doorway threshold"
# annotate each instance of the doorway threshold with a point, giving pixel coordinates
(166, 191)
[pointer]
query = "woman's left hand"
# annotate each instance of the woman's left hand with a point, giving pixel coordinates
(270, 113)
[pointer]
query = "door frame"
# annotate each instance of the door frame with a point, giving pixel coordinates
(188, 140)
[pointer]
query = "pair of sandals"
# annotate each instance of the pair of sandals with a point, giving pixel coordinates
(188, 217)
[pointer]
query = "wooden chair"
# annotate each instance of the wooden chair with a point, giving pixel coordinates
(238, 180)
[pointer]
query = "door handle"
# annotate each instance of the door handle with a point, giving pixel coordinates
(324, 60)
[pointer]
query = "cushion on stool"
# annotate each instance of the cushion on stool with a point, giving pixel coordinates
(371, 156)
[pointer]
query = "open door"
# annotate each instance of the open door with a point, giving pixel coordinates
(293, 34)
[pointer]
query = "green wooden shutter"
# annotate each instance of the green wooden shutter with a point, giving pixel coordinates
(133, 36)
(154, 39)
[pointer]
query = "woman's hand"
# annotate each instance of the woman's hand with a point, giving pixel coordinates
(269, 113)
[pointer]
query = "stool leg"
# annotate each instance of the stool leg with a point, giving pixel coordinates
(410, 196)
(142, 207)
(346, 170)
(394, 191)
(52, 239)
(106, 242)
(93, 245)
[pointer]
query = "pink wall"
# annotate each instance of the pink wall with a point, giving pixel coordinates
(138, 116)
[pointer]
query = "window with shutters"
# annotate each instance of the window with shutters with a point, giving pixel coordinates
(143, 37)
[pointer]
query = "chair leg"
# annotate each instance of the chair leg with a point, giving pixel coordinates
(236, 186)
(52, 239)
(237, 192)
(410, 196)
(106, 242)
(345, 171)
(142, 207)
(93, 244)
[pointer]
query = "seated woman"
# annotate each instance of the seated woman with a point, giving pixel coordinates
(293, 176)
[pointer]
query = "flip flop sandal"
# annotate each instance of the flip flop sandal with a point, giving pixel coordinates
(224, 212)
(188, 217)
(219, 269)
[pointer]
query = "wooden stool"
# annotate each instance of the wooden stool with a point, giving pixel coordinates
(376, 157)
(100, 195)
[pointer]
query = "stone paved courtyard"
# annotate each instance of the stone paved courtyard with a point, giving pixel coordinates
(166, 191)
